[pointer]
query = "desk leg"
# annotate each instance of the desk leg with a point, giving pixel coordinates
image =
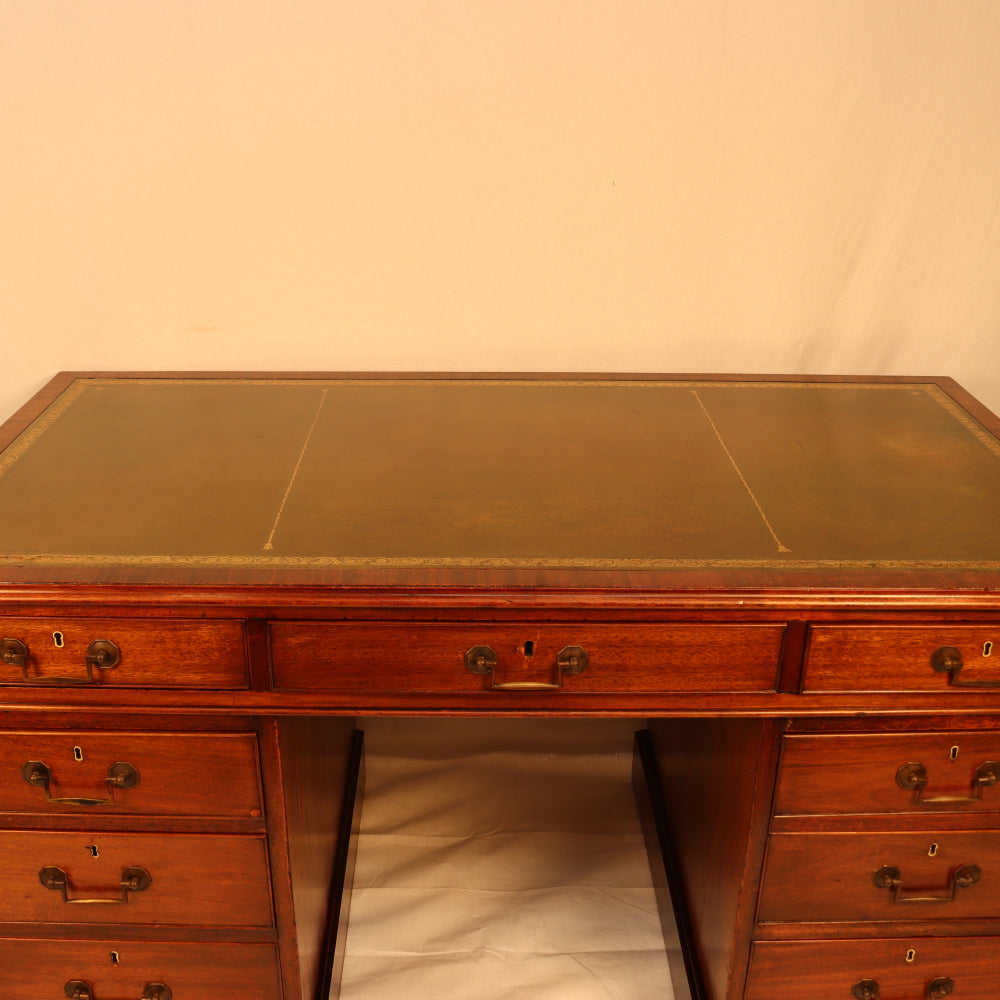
(311, 777)
(678, 934)
(716, 778)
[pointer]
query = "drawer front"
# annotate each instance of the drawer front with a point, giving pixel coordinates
(116, 970)
(851, 876)
(842, 774)
(936, 658)
(899, 968)
(131, 774)
(147, 653)
(620, 659)
(204, 880)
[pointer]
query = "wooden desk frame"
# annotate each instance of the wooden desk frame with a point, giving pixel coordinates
(758, 678)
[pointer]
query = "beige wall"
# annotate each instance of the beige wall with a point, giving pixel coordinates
(683, 185)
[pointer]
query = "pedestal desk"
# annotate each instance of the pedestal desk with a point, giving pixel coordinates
(790, 583)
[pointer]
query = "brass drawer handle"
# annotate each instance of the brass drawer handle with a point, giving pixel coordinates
(14, 653)
(948, 660)
(937, 989)
(78, 989)
(101, 653)
(573, 660)
(133, 880)
(889, 877)
(570, 660)
(120, 775)
(480, 660)
(914, 776)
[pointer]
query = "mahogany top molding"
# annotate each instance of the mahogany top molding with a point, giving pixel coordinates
(614, 482)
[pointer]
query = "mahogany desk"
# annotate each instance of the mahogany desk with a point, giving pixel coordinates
(207, 578)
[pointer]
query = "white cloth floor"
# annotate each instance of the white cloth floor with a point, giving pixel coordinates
(502, 860)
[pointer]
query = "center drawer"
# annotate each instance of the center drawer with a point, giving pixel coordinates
(586, 658)
(135, 878)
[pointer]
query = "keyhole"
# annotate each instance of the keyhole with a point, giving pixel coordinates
(953, 753)
(114, 958)
(987, 648)
(94, 853)
(529, 647)
(932, 850)
(57, 638)
(910, 955)
(77, 753)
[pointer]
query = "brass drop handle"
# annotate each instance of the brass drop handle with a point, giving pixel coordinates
(133, 880)
(889, 877)
(481, 660)
(937, 989)
(78, 989)
(570, 660)
(101, 653)
(914, 776)
(573, 659)
(120, 775)
(14, 652)
(948, 660)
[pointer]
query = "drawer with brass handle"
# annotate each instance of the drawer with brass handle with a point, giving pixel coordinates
(135, 878)
(125, 653)
(137, 970)
(129, 773)
(937, 658)
(468, 658)
(852, 876)
(920, 968)
(883, 773)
